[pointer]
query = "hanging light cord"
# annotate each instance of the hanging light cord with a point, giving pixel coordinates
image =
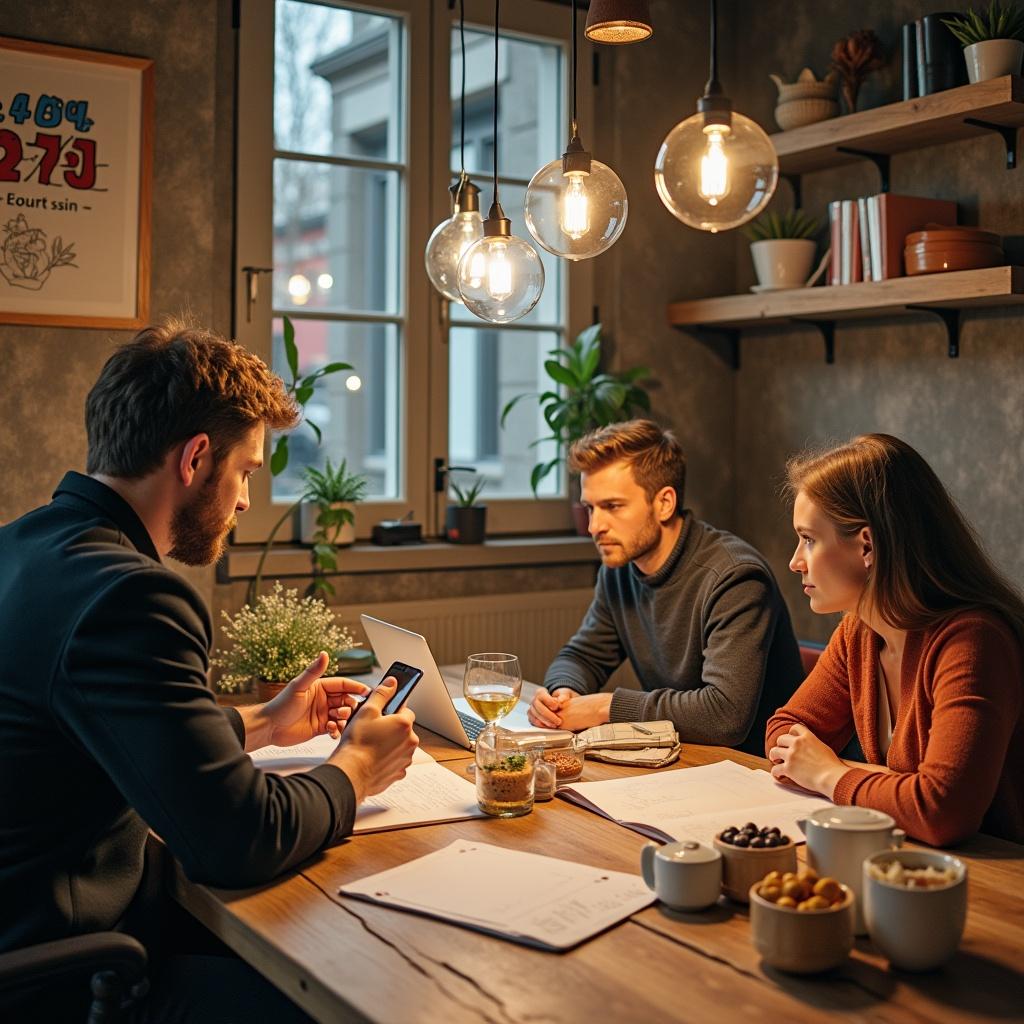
(713, 85)
(462, 108)
(574, 63)
(497, 5)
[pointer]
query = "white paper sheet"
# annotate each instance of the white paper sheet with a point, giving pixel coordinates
(696, 803)
(540, 901)
(428, 794)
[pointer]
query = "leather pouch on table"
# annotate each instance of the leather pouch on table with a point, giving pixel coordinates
(648, 757)
(630, 735)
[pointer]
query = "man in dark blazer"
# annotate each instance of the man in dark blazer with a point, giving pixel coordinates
(107, 725)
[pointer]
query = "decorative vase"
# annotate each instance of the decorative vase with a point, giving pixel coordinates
(993, 58)
(465, 525)
(806, 100)
(783, 262)
(308, 528)
(266, 690)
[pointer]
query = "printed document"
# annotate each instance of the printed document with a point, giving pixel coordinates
(428, 794)
(696, 803)
(536, 900)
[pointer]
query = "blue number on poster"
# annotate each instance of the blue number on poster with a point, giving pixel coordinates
(49, 111)
(75, 112)
(20, 109)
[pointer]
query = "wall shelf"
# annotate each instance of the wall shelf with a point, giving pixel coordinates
(945, 295)
(900, 127)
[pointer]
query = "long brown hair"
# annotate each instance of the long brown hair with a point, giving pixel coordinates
(928, 560)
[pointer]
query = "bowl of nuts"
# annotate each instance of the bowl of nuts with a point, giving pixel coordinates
(749, 853)
(567, 758)
(801, 923)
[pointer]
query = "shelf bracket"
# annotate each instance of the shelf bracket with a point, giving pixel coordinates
(794, 184)
(731, 335)
(1008, 133)
(828, 335)
(951, 320)
(880, 160)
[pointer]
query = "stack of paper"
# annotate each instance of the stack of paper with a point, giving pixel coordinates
(539, 901)
(696, 803)
(428, 794)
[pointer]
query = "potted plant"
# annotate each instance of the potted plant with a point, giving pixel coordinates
(465, 522)
(582, 399)
(328, 504)
(782, 248)
(993, 41)
(275, 638)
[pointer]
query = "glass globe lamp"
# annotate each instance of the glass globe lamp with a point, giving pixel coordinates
(716, 170)
(452, 237)
(501, 277)
(575, 206)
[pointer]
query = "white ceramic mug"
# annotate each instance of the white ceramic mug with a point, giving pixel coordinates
(686, 876)
(916, 929)
(838, 840)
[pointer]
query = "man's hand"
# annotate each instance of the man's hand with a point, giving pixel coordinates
(801, 758)
(377, 749)
(545, 709)
(566, 709)
(311, 705)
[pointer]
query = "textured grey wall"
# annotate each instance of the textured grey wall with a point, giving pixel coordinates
(49, 370)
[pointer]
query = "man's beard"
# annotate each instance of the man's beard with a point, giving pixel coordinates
(198, 530)
(640, 544)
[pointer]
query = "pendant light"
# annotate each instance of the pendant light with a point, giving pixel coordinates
(619, 21)
(575, 206)
(500, 277)
(453, 236)
(717, 169)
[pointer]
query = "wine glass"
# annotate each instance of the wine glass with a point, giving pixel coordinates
(491, 685)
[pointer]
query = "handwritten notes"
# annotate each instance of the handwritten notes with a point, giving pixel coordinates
(540, 901)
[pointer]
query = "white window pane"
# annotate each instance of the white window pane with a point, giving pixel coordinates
(531, 126)
(487, 368)
(337, 237)
(357, 410)
(337, 81)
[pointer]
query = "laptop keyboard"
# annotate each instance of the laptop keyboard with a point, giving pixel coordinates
(473, 725)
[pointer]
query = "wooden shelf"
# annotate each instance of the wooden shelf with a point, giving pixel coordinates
(899, 127)
(963, 289)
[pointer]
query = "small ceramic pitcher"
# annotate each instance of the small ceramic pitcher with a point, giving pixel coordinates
(686, 875)
(840, 838)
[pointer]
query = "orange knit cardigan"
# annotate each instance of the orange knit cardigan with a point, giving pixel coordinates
(957, 750)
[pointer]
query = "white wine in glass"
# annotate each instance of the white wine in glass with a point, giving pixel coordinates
(492, 684)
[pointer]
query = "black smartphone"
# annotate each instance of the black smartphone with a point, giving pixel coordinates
(408, 676)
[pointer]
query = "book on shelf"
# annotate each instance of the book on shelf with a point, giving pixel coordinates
(898, 216)
(850, 260)
(864, 238)
(835, 242)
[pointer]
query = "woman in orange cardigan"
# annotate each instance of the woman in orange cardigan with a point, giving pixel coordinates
(927, 665)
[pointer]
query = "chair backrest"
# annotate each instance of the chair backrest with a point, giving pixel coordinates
(809, 655)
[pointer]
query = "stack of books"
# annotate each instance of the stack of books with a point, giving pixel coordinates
(867, 234)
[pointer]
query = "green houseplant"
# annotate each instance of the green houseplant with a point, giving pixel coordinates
(782, 247)
(275, 637)
(993, 40)
(465, 522)
(582, 398)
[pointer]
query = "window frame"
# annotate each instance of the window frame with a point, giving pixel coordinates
(424, 316)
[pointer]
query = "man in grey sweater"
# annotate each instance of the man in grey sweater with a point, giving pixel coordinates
(696, 610)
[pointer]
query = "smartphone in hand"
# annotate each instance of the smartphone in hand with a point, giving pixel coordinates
(408, 676)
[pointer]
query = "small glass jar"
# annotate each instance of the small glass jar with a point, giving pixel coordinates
(507, 773)
(566, 756)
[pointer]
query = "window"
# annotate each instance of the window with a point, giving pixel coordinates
(344, 159)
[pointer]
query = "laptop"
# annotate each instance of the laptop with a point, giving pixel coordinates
(430, 700)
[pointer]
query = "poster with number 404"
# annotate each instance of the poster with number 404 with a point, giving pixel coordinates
(75, 170)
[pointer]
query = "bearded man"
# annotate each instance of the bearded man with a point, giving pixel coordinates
(696, 610)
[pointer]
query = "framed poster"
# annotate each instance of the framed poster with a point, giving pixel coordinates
(76, 137)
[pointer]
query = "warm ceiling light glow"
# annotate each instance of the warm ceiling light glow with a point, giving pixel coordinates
(299, 288)
(353, 383)
(325, 281)
(619, 21)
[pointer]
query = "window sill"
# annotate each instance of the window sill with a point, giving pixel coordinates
(286, 560)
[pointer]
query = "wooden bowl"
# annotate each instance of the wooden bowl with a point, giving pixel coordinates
(802, 941)
(742, 867)
(933, 258)
(940, 235)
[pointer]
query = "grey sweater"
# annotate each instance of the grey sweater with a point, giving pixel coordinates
(708, 634)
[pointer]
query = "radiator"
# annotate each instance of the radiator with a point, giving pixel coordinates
(533, 625)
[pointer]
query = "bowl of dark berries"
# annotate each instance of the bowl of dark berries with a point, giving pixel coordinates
(749, 853)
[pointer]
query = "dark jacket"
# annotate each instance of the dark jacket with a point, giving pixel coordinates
(107, 728)
(708, 635)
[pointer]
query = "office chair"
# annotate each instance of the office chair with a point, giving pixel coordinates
(115, 963)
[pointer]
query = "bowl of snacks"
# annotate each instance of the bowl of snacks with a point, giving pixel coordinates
(801, 923)
(915, 906)
(567, 757)
(749, 853)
